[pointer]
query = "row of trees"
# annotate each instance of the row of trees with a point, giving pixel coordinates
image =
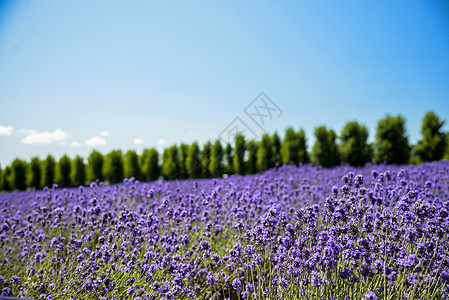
(242, 157)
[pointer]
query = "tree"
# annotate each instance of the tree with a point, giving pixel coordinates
(19, 170)
(229, 159)
(113, 167)
(95, 170)
(324, 150)
(150, 164)
(79, 171)
(239, 154)
(193, 162)
(354, 148)
(205, 159)
(252, 157)
(216, 168)
(391, 143)
(36, 173)
(6, 183)
(170, 163)
(294, 147)
(64, 170)
(49, 171)
(265, 153)
(132, 167)
(276, 142)
(301, 139)
(434, 141)
(184, 153)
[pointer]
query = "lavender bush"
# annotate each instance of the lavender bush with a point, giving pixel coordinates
(379, 232)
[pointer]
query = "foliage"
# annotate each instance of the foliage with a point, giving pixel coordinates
(184, 153)
(64, 170)
(205, 159)
(113, 166)
(19, 171)
(95, 170)
(79, 171)
(239, 154)
(35, 173)
(391, 145)
(6, 180)
(150, 164)
(49, 171)
(252, 157)
(265, 153)
(294, 147)
(216, 167)
(325, 151)
(354, 148)
(132, 165)
(229, 159)
(433, 143)
(276, 142)
(193, 161)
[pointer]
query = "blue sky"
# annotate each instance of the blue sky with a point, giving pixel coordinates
(133, 74)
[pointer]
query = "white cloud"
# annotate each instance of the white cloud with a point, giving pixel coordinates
(95, 141)
(6, 130)
(161, 141)
(26, 131)
(104, 133)
(45, 137)
(138, 141)
(75, 144)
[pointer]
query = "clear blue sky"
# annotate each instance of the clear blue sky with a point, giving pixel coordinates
(133, 74)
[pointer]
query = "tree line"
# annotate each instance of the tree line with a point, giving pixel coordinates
(242, 157)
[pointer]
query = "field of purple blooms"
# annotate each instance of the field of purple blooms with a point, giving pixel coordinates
(379, 232)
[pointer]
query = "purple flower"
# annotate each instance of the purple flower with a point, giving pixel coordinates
(236, 284)
(130, 290)
(371, 296)
(6, 291)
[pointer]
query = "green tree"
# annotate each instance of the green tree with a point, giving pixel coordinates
(184, 153)
(354, 148)
(252, 157)
(433, 142)
(239, 154)
(294, 147)
(170, 163)
(36, 173)
(95, 169)
(19, 171)
(265, 153)
(216, 167)
(49, 171)
(113, 167)
(150, 164)
(6, 183)
(79, 171)
(132, 166)
(276, 142)
(193, 162)
(229, 159)
(391, 143)
(325, 151)
(64, 171)
(205, 159)
(446, 154)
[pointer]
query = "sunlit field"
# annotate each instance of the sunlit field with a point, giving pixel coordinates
(379, 232)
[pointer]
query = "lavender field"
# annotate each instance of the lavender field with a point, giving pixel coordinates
(379, 232)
